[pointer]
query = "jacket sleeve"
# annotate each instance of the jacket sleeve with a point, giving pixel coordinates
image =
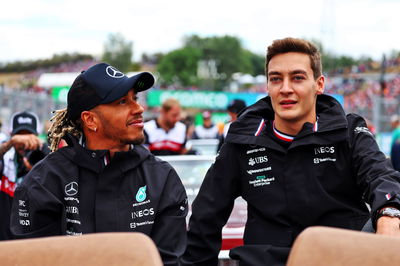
(35, 211)
(211, 209)
(169, 231)
(379, 182)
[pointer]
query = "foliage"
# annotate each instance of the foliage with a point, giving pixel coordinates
(257, 63)
(118, 52)
(225, 52)
(180, 67)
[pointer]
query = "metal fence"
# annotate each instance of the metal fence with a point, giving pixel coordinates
(15, 101)
(43, 104)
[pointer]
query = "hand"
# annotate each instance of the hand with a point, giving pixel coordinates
(388, 226)
(27, 164)
(26, 142)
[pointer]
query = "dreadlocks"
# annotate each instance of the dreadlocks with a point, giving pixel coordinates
(60, 127)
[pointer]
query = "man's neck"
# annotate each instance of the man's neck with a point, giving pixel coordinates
(162, 124)
(291, 127)
(92, 143)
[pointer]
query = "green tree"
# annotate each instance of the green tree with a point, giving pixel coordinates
(180, 67)
(118, 52)
(225, 52)
(257, 63)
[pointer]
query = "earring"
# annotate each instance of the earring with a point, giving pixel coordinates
(95, 129)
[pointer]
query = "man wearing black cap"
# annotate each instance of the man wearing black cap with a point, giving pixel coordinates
(103, 180)
(234, 108)
(18, 155)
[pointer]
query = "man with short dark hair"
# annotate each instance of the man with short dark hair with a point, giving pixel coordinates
(104, 180)
(299, 161)
(23, 150)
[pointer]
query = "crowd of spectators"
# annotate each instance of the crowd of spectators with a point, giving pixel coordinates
(27, 81)
(358, 84)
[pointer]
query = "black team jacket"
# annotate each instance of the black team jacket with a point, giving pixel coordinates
(323, 177)
(73, 192)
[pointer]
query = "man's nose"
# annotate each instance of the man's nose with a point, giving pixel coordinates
(286, 86)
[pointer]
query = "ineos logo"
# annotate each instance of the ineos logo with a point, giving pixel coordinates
(114, 73)
(71, 189)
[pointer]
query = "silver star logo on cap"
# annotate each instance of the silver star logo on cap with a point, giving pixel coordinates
(114, 73)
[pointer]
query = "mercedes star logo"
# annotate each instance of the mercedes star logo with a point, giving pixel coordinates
(71, 189)
(114, 73)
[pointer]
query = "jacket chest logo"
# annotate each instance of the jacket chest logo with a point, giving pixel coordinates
(324, 154)
(258, 160)
(141, 194)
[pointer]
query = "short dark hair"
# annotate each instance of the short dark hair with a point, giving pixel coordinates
(287, 45)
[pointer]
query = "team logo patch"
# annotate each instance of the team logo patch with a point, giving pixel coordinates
(141, 194)
(114, 73)
(358, 130)
(71, 189)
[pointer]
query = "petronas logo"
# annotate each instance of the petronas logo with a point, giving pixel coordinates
(141, 194)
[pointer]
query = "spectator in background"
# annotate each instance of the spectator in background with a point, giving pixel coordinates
(166, 135)
(207, 130)
(23, 150)
(395, 144)
(234, 108)
(3, 136)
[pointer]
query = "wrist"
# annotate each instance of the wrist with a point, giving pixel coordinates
(388, 212)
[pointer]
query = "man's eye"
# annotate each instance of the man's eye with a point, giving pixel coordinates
(122, 101)
(298, 78)
(273, 79)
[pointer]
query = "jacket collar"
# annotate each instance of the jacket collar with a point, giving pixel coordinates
(332, 124)
(93, 159)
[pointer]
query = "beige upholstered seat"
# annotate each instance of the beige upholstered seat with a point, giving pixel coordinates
(90, 249)
(330, 246)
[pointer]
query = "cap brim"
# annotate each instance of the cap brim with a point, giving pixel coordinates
(139, 82)
(20, 128)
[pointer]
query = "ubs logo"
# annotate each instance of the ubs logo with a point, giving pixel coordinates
(71, 189)
(114, 73)
(257, 160)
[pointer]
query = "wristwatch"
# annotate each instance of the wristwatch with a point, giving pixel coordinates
(388, 211)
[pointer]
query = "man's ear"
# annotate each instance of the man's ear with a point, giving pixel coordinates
(320, 85)
(89, 120)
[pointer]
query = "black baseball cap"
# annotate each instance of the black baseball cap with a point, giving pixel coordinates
(24, 121)
(101, 84)
(236, 106)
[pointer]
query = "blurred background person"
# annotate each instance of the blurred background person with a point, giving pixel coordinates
(395, 146)
(23, 150)
(3, 136)
(207, 130)
(234, 108)
(166, 135)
